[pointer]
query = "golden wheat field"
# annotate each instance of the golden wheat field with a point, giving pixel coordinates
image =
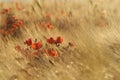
(59, 39)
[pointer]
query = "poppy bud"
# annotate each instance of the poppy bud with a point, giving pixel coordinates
(49, 26)
(28, 42)
(5, 11)
(36, 46)
(39, 44)
(14, 26)
(19, 23)
(50, 40)
(59, 39)
(53, 53)
(33, 46)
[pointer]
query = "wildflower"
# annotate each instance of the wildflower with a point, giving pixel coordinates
(28, 42)
(36, 46)
(33, 46)
(19, 23)
(59, 39)
(52, 52)
(49, 26)
(5, 11)
(14, 25)
(50, 40)
(39, 44)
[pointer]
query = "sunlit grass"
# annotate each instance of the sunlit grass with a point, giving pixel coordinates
(88, 31)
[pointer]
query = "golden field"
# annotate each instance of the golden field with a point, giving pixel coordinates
(91, 25)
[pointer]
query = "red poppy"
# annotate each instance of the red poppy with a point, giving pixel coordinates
(19, 23)
(49, 25)
(53, 53)
(15, 26)
(39, 44)
(5, 11)
(50, 40)
(28, 42)
(59, 39)
(36, 46)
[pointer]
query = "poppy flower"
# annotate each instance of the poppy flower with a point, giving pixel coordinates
(50, 40)
(39, 44)
(49, 25)
(14, 25)
(28, 42)
(19, 23)
(5, 11)
(36, 46)
(59, 39)
(53, 53)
